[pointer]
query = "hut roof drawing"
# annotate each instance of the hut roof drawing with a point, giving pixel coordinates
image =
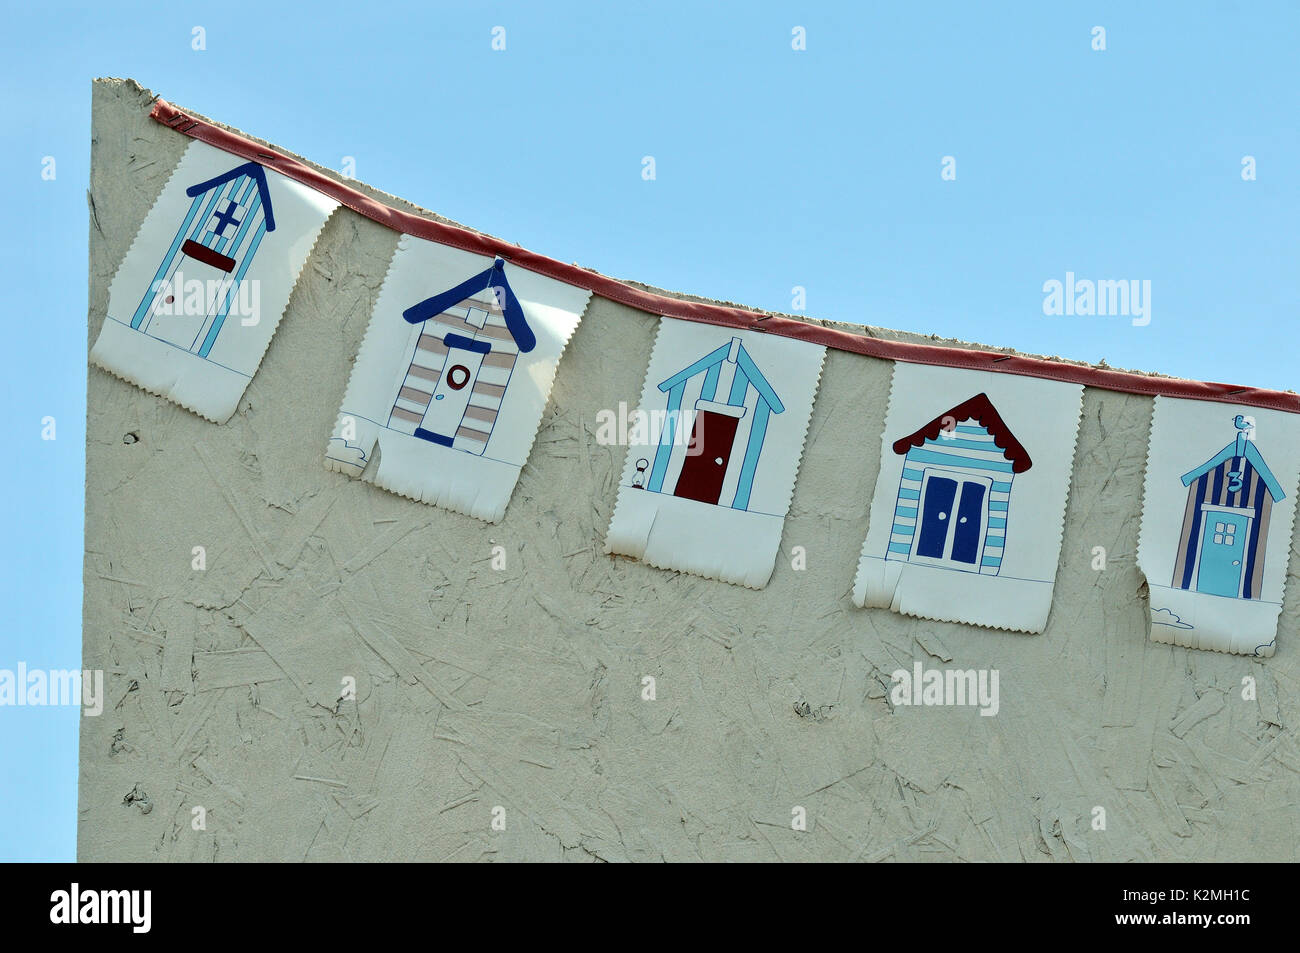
(980, 409)
(491, 278)
(1242, 447)
(250, 169)
(743, 361)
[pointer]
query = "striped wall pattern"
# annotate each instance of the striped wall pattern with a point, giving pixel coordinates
(1212, 487)
(971, 450)
(430, 355)
(199, 226)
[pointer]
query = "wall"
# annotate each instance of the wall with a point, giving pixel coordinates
(521, 688)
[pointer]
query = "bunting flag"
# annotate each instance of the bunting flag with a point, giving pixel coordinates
(714, 451)
(1217, 515)
(195, 302)
(452, 378)
(969, 506)
(448, 390)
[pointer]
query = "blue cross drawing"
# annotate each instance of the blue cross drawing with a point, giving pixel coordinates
(226, 218)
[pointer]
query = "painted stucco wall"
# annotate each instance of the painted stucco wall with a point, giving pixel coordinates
(522, 687)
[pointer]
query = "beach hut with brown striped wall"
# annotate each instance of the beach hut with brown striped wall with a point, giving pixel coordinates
(471, 336)
(1226, 521)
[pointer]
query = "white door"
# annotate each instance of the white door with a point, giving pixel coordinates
(186, 303)
(447, 406)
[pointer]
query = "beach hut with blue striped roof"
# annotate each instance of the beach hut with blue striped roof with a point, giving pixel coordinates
(954, 496)
(732, 403)
(462, 361)
(212, 250)
(1226, 520)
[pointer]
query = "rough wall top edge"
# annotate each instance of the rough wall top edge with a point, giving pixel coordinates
(426, 228)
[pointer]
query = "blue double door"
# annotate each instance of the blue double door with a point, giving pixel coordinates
(952, 519)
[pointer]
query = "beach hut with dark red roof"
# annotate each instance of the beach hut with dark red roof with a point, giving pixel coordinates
(954, 496)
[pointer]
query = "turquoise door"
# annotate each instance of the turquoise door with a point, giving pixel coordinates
(1223, 553)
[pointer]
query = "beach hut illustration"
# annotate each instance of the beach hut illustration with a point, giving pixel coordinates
(955, 491)
(470, 339)
(1225, 524)
(214, 244)
(718, 464)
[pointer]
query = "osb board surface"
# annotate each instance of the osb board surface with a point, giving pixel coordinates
(522, 688)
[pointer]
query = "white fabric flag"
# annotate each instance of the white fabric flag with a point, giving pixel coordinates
(197, 299)
(1218, 510)
(969, 506)
(453, 376)
(713, 456)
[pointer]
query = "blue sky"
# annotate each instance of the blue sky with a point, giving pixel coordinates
(775, 168)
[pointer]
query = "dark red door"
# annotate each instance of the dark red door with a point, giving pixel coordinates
(707, 456)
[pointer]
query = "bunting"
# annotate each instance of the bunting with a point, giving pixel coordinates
(197, 299)
(1218, 508)
(452, 378)
(711, 467)
(969, 506)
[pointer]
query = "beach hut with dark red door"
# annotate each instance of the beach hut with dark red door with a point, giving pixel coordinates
(728, 403)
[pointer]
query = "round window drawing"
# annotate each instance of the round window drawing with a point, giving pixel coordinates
(457, 376)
